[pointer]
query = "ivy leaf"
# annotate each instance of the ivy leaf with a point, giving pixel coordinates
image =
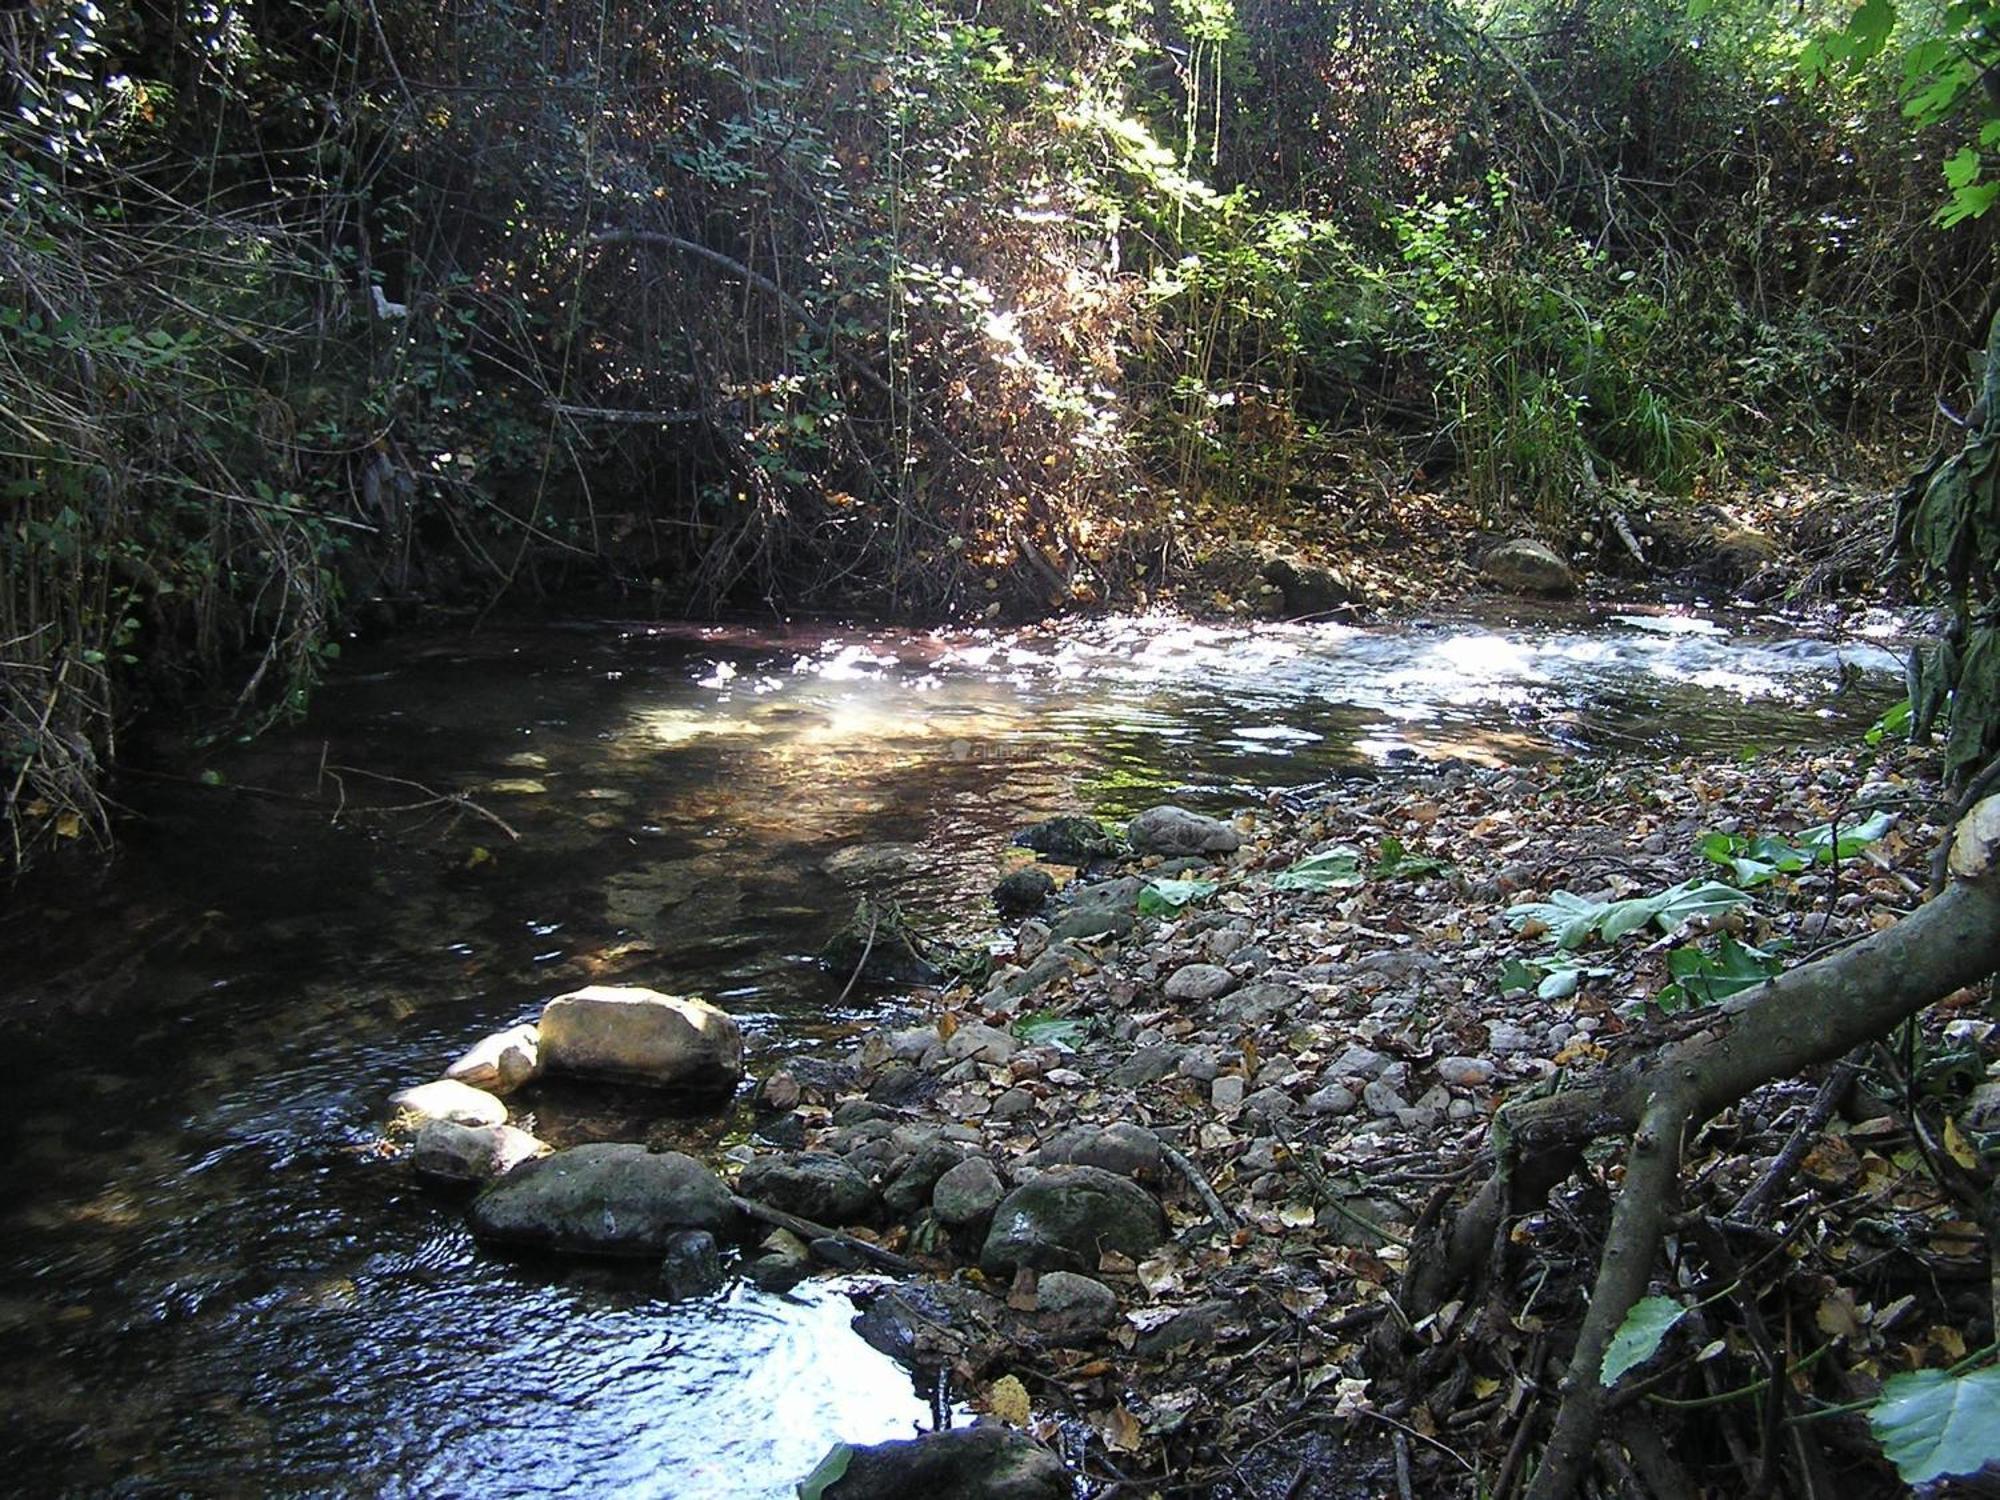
(1963, 168)
(829, 1472)
(1930, 1423)
(1164, 897)
(1332, 869)
(1638, 1337)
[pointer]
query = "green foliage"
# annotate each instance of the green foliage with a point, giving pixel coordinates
(1704, 978)
(828, 1472)
(1639, 1337)
(1573, 920)
(1338, 868)
(1753, 861)
(1932, 1423)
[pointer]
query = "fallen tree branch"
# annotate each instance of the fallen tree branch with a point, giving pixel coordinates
(1816, 1013)
(805, 1229)
(1191, 1174)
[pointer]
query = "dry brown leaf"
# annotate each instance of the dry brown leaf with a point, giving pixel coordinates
(1007, 1399)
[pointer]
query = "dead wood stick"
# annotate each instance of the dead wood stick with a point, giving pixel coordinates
(1217, 1209)
(807, 1230)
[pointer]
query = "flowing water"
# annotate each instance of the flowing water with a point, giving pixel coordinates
(215, 1280)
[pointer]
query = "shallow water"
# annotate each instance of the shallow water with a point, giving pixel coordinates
(215, 1281)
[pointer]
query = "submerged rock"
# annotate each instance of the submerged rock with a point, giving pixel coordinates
(1071, 839)
(501, 1062)
(1067, 1218)
(1024, 890)
(961, 1463)
(603, 1200)
(1174, 830)
(1523, 566)
(448, 1099)
(786, 1262)
(880, 947)
(449, 1152)
(632, 1035)
(691, 1266)
(861, 863)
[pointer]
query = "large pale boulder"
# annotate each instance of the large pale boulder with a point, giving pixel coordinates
(448, 1099)
(1523, 566)
(1176, 831)
(632, 1035)
(603, 1200)
(501, 1062)
(1067, 1218)
(960, 1463)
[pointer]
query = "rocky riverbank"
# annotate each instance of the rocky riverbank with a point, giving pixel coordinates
(1146, 1187)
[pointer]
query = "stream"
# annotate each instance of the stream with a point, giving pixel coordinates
(215, 1278)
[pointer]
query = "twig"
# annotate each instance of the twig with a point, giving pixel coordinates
(1217, 1209)
(1787, 1161)
(808, 1230)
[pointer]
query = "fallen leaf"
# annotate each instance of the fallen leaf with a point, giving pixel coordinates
(1007, 1399)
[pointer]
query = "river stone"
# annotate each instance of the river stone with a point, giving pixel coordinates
(1148, 1064)
(1199, 982)
(1071, 839)
(1067, 1218)
(1127, 1149)
(816, 1185)
(1073, 1303)
(1466, 1072)
(968, 1193)
(603, 1200)
(1334, 1099)
(1024, 890)
(1173, 830)
(911, 1187)
(861, 863)
(981, 1043)
(448, 1099)
(960, 1463)
(448, 1152)
(786, 1262)
(501, 1062)
(691, 1266)
(1523, 566)
(633, 1035)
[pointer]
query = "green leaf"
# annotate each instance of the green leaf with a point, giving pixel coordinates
(1638, 1337)
(1163, 897)
(1046, 1026)
(1331, 869)
(1930, 1423)
(1968, 203)
(1869, 27)
(1896, 719)
(830, 1471)
(1396, 861)
(1702, 979)
(1963, 168)
(1560, 984)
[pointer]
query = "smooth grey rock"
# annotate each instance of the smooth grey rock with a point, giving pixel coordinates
(910, 1189)
(1334, 1099)
(816, 1185)
(448, 1099)
(1069, 1304)
(1067, 1218)
(981, 1043)
(1524, 566)
(1199, 982)
(1227, 1092)
(1269, 1104)
(1093, 922)
(1465, 1072)
(1382, 1098)
(786, 1262)
(1147, 1065)
(631, 1035)
(968, 1193)
(1505, 1038)
(449, 1152)
(1173, 830)
(501, 1062)
(1202, 1064)
(1357, 1062)
(960, 1463)
(1012, 1105)
(691, 1266)
(603, 1200)
(1121, 894)
(1127, 1149)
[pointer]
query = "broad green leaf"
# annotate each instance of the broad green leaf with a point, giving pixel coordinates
(1701, 979)
(1066, 1032)
(1818, 843)
(829, 1472)
(1163, 897)
(1869, 27)
(1519, 978)
(1963, 168)
(1330, 869)
(1968, 203)
(1931, 1424)
(1396, 861)
(1638, 1337)
(1560, 984)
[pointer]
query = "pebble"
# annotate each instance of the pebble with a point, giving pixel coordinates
(1227, 1093)
(1505, 1038)
(1466, 1072)
(1332, 1100)
(1199, 982)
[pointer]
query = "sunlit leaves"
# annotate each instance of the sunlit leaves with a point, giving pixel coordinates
(1931, 1423)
